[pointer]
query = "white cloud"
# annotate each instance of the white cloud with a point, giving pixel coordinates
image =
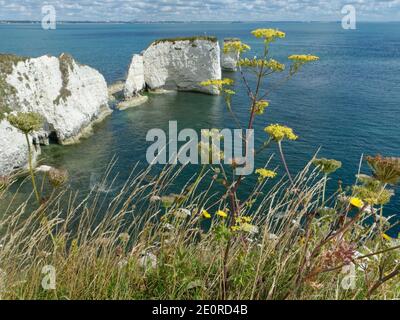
(128, 10)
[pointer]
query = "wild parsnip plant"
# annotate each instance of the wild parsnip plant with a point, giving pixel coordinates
(147, 243)
(291, 240)
(27, 123)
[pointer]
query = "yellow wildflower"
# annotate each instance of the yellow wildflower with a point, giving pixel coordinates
(270, 64)
(205, 214)
(218, 83)
(222, 214)
(386, 237)
(235, 228)
(357, 202)
(303, 58)
(279, 132)
(264, 174)
(235, 46)
(268, 34)
(275, 65)
(260, 106)
(229, 92)
(243, 219)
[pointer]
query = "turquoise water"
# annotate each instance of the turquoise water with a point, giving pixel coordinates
(347, 104)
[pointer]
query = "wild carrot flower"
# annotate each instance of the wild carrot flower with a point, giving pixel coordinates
(168, 201)
(249, 228)
(57, 177)
(279, 132)
(327, 166)
(372, 196)
(27, 122)
(386, 170)
(124, 237)
(182, 213)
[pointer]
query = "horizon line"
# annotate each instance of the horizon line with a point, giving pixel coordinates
(189, 21)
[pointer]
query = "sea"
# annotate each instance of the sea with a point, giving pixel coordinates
(345, 106)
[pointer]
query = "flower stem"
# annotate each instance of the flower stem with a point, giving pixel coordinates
(284, 162)
(31, 169)
(324, 190)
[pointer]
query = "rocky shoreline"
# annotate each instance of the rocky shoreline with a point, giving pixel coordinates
(72, 97)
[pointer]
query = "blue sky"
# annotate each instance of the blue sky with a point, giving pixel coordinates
(185, 10)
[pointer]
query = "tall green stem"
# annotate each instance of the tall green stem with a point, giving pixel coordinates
(324, 190)
(31, 169)
(284, 162)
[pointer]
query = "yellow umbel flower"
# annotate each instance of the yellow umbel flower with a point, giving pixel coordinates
(260, 106)
(229, 92)
(265, 174)
(205, 214)
(357, 202)
(303, 58)
(27, 122)
(218, 83)
(235, 228)
(279, 132)
(235, 46)
(222, 214)
(268, 34)
(275, 65)
(270, 64)
(243, 219)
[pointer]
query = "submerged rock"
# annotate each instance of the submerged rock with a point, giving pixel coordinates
(132, 102)
(14, 149)
(176, 64)
(116, 87)
(68, 95)
(230, 59)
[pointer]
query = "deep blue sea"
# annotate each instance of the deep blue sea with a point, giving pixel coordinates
(347, 104)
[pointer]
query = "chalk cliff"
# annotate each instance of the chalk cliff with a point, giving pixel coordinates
(135, 81)
(230, 58)
(176, 64)
(13, 149)
(68, 95)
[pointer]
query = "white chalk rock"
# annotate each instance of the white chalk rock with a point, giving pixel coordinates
(14, 149)
(229, 60)
(135, 80)
(69, 96)
(181, 64)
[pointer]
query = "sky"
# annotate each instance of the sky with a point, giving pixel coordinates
(201, 10)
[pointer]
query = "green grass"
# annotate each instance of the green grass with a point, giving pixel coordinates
(97, 246)
(7, 64)
(66, 65)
